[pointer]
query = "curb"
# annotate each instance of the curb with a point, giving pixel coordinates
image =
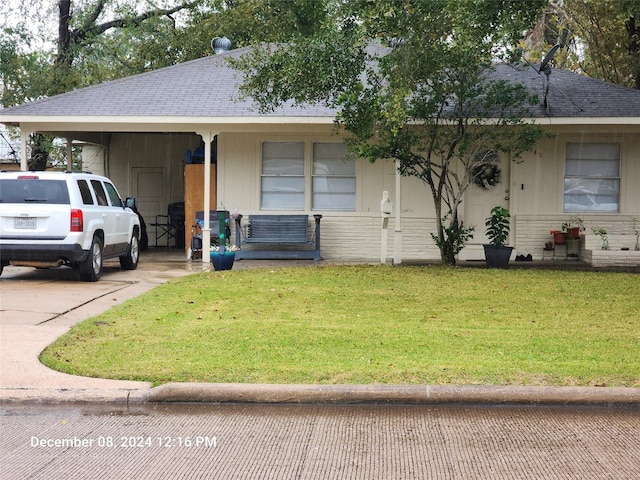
(392, 394)
(75, 396)
(327, 394)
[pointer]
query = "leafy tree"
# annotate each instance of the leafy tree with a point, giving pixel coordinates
(426, 102)
(98, 40)
(24, 74)
(246, 22)
(601, 38)
(82, 25)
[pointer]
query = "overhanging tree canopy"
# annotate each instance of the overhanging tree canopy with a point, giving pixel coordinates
(428, 100)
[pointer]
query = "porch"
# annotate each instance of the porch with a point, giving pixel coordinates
(619, 252)
(176, 258)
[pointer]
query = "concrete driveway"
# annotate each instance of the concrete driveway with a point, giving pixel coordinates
(38, 306)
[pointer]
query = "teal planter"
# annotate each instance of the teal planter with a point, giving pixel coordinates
(222, 261)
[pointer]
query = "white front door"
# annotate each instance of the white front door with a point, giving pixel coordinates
(478, 202)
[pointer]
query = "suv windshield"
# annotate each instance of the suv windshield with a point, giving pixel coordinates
(33, 191)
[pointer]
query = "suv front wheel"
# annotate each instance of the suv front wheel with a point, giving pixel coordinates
(91, 267)
(129, 261)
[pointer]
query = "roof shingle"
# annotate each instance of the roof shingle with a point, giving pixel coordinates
(208, 87)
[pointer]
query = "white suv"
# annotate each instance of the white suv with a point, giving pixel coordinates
(49, 219)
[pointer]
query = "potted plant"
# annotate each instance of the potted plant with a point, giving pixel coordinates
(496, 253)
(223, 253)
(222, 256)
(635, 226)
(559, 238)
(602, 233)
(573, 226)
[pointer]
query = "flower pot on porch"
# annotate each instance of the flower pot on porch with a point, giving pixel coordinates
(222, 261)
(497, 256)
(559, 238)
(574, 232)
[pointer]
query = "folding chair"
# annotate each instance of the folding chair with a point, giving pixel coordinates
(171, 225)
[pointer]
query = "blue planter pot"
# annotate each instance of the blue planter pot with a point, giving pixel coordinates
(222, 261)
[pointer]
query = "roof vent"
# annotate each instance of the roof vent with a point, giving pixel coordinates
(221, 45)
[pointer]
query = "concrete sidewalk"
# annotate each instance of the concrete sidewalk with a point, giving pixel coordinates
(38, 306)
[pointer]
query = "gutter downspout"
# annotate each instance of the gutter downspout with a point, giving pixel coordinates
(397, 234)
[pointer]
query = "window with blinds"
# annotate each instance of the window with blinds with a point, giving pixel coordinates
(282, 176)
(592, 177)
(333, 178)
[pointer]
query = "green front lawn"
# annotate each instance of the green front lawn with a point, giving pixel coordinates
(368, 324)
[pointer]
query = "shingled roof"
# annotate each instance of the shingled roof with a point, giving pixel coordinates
(208, 88)
(573, 95)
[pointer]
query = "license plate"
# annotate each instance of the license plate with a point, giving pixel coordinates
(28, 223)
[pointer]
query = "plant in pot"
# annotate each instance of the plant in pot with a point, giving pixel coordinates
(222, 255)
(602, 233)
(496, 253)
(573, 226)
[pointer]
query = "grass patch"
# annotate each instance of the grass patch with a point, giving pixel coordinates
(368, 324)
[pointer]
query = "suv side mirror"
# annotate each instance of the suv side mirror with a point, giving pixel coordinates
(130, 202)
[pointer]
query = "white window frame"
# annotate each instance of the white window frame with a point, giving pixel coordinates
(283, 187)
(333, 178)
(273, 178)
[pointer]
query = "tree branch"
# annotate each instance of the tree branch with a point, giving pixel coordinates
(89, 30)
(91, 20)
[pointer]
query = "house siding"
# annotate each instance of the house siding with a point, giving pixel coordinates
(538, 207)
(345, 236)
(128, 152)
(535, 190)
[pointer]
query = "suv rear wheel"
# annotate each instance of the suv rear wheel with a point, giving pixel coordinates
(91, 267)
(129, 261)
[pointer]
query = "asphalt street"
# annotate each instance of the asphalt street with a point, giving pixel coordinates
(245, 441)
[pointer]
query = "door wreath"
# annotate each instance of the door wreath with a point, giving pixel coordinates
(486, 176)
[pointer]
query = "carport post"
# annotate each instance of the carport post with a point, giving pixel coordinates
(24, 137)
(207, 137)
(69, 155)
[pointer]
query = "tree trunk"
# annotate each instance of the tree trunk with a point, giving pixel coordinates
(62, 79)
(39, 153)
(633, 32)
(64, 33)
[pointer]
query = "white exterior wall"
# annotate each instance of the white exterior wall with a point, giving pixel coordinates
(132, 155)
(538, 207)
(166, 151)
(93, 159)
(346, 236)
(535, 188)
